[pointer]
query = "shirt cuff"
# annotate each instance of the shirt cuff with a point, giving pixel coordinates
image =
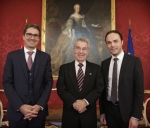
(86, 102)
(41, 108)
(135, 118)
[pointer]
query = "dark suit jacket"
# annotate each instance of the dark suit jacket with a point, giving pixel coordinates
(68, 91)
(15, 82)
(130, 90)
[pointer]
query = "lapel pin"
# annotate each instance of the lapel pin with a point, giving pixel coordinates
(90, 73)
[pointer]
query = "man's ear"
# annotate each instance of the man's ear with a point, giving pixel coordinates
(122, 42)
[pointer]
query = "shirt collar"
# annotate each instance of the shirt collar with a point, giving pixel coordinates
(26, 50)
(76, 63)
(120, 56)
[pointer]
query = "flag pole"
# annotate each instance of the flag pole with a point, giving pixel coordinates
(22, 42)
(26, 20)
(129, 24)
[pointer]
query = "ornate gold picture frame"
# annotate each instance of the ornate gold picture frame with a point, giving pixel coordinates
(98, 17)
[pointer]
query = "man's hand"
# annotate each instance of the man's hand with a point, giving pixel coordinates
(26, 110)
(33, 113)
(133, 123)
(103, 119)
(80, 105)
(37, 108)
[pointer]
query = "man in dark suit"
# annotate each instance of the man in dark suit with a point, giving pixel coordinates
(79, 85)
(27, 82)
(122, 98)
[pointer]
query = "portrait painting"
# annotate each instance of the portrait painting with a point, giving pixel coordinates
(66, 20)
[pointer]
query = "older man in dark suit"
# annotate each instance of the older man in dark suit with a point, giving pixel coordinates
(79, 85)
(27, 82)
(122, 99)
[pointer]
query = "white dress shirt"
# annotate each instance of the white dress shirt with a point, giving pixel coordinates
(27, 55)
(77, 67)
(83, 68)
(119, 63)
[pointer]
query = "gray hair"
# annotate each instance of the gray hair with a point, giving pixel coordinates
(83, 39)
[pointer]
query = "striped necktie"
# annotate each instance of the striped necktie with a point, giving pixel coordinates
(80, 76)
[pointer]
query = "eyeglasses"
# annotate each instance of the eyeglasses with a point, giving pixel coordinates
(79, 49)
(30, 35)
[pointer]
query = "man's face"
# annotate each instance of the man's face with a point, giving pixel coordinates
(81, 51)
(31, 38)
(114, 43)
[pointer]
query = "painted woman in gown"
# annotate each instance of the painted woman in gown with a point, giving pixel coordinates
(63, 50)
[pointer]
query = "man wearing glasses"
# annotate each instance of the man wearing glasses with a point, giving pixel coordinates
(27, 82)
(79, 85)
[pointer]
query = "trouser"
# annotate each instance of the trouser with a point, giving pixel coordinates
(34, 123)
(113, 116)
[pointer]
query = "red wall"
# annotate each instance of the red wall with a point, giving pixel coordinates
(13, 15)
(139, 13)
(14, 12)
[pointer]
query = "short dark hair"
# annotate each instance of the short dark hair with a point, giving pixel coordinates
(114, 31)
(32, 26)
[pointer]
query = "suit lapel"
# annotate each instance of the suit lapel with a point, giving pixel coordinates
(122, 70)
(72, 75)
(123, 66)
(106, 68)
(37, 61)
(23, 62)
